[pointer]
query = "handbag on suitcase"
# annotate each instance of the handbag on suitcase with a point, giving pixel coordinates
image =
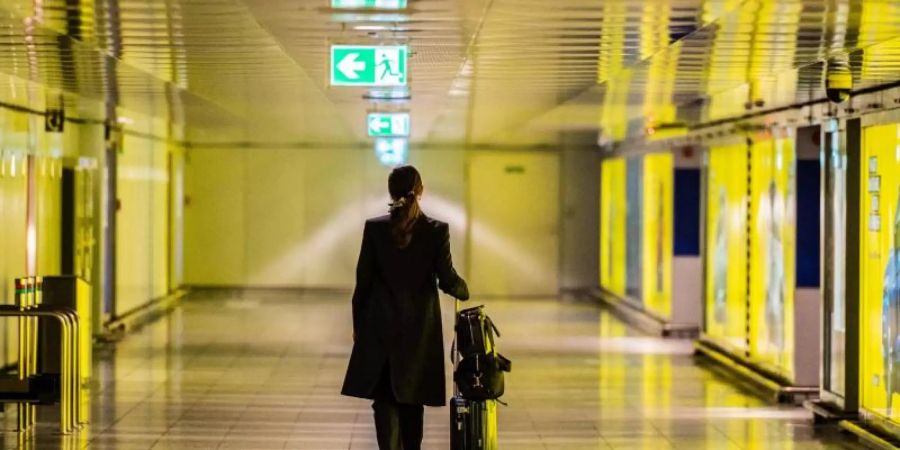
(478, 382)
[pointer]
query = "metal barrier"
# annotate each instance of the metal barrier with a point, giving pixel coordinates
(29, 310)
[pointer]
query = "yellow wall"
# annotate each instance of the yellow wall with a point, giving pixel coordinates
(658, 232)
(143, 223)
(880, 271)
(24, 139)
(726, 246)
(772, 253)
(612, 225)
(48, 174)
(12, 239)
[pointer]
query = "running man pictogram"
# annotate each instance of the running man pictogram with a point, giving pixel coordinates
(388, 68)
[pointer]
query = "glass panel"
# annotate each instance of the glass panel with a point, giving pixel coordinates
(835, 257)
(634, 218)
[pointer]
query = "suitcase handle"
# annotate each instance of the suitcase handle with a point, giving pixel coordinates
(453, 354)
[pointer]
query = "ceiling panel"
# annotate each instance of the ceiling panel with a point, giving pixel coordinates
(483, 72)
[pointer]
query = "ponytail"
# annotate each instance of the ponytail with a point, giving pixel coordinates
(405, 186)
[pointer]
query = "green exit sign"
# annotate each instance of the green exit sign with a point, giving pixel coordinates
(368, 4)
(388, 124)
(369, 65)
(391, 151)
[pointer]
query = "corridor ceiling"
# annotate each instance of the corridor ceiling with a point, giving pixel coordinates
(483, 72)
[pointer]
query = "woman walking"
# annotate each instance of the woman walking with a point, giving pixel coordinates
(398, 350)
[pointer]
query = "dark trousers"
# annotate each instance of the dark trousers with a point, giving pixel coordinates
(398, 426)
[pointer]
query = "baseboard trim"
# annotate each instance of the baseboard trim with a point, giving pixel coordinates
(115, 329)
(871, 436)
(632, 312)
(825, 412)
(775, 388)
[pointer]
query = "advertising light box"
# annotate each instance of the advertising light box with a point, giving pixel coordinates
(658, 233)
(772, 254)
(726, 246)
(880, 271)
(612, 225)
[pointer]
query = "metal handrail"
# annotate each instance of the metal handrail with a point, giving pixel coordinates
(71, 414)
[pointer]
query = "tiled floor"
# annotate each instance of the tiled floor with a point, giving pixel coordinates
(259, 371)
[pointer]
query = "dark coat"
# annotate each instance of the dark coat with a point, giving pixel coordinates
(396, 313)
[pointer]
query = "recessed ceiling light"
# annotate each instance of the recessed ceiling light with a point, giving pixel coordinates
(371, 28)
(388, 95)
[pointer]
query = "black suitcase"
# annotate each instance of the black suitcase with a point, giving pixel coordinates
(473, 423)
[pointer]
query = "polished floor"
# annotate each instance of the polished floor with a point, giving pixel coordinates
(251, 370)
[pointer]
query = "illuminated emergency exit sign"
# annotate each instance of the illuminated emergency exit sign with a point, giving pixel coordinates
(391, 151)
(369, 65)
(368, 4)
(388, 124)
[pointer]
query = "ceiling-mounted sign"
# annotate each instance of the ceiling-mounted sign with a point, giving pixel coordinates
(391, 151)
(368, 4)
(369, 65)
(388, 124)
(54, 120)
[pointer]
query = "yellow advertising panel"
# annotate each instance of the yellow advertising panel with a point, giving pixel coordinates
(612, 225)
(772, 253)
(726, 246)
(880, 271)
(658, 233)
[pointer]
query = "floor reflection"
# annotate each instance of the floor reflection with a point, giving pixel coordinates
(260, 370)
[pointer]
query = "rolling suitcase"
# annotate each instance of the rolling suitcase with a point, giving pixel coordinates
(473, 423)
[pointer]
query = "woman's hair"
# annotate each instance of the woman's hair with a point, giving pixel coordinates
(405, 186)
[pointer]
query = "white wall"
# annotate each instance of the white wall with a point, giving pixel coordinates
(294, 217)
(514, 241)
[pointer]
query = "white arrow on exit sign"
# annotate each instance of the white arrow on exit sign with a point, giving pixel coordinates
(350, 67)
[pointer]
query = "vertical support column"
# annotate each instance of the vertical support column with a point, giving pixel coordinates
(749, 250)
(110, 212)
(580, 218)
(687, 264)
(807, 292)
(21, 294)
(31, 215)
(853, 145)
(112, 40)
